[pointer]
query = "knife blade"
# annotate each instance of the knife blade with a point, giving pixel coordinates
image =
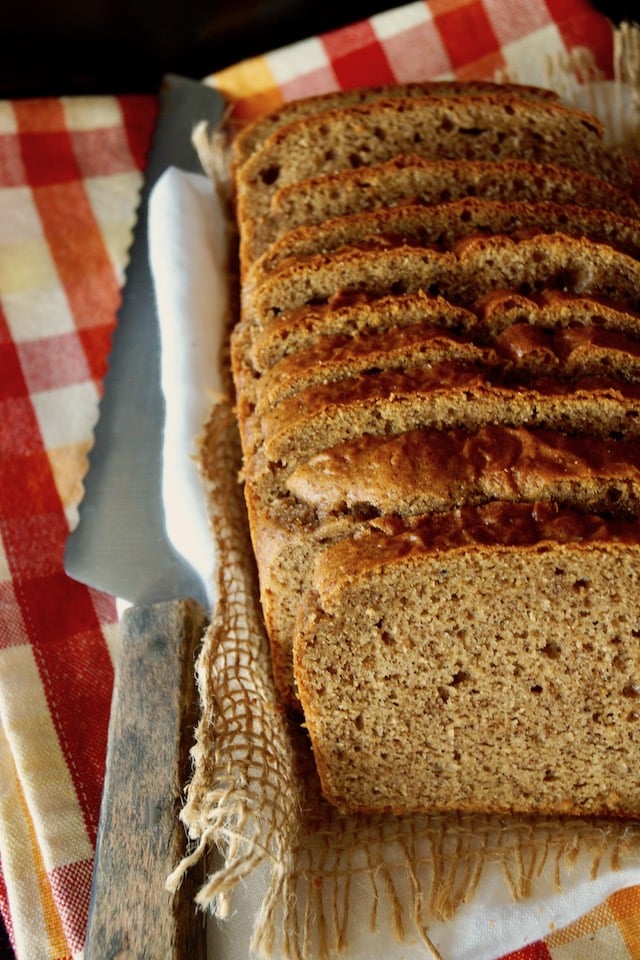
(121, 546)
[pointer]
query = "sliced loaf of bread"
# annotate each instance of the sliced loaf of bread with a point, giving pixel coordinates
(437, 368)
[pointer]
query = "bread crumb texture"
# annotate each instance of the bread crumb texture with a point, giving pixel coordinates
(505, 679)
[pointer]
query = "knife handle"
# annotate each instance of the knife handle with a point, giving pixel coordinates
(140, 839)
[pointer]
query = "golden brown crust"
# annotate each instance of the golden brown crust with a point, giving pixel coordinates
(424, 471)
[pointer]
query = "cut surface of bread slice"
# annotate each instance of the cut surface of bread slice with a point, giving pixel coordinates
(408, 178)
(442, 226)
(476, 662)
(253, 135)
(476, 267)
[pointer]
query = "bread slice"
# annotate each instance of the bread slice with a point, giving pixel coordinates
(474, 268)
(253, 135)
(407, 178)
(566, 353)
(442, 226)
(438, 395)
(431, 682)
(349, 317)
(361, 315)
(342, 358)
(404, 180)
(569, 351)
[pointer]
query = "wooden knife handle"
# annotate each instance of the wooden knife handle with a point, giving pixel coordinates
(140, 839)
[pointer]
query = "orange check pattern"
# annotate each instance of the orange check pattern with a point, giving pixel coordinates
(70, 172)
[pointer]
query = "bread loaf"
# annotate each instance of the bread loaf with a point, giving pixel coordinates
(437, 371)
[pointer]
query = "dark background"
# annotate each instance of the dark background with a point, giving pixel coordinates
(57, 47)
(124, 46)
(117, 46)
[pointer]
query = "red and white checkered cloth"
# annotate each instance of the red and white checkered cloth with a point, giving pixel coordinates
(70, 172)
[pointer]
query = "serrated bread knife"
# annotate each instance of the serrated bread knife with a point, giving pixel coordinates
(121, 546)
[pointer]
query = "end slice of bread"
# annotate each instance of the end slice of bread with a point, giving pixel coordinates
(475, 662)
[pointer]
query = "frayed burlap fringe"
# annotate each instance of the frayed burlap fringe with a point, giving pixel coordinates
(255, 795)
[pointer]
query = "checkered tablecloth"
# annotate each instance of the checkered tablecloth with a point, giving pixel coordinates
(70, 173)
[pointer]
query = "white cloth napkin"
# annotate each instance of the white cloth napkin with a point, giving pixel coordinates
(187, 256)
